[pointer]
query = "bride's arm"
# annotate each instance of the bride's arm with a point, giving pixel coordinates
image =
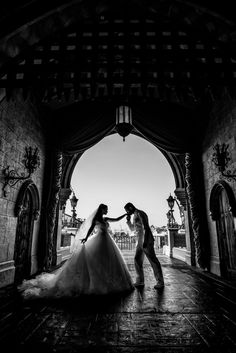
(89, 232)
(115, 219)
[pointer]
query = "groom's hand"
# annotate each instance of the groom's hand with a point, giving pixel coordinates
(128, 217)
(83, 240)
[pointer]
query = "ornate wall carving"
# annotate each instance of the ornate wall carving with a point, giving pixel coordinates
(192, 188)
(52, 207)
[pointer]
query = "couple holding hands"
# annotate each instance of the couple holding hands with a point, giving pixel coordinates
(98, 267)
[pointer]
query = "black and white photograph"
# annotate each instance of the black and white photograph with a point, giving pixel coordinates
(118, 176)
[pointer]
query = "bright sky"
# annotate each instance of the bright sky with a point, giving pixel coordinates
(116, 172)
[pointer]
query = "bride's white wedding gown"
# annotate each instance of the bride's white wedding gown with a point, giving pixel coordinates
(96, 267)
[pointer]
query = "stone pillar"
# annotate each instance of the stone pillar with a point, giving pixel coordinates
(188, 255)
(196, 201)
(63, 197)
(181, 196)
(171, 233)
(52, 208)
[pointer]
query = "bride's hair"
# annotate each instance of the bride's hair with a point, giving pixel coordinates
(85, 226)
(99, 214)
(102, 206)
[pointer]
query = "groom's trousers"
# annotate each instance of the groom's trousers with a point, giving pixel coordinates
(155, 263)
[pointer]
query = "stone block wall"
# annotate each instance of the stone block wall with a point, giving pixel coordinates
(19, 128)
(221, 129)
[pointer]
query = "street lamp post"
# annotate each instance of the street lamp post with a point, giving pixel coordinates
(73, 202)
(170, 216)
(175, 232)
(171, 220)
(172, 226)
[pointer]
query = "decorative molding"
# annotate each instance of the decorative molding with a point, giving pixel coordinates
(52, 207)
(190, 187)
(181, 196)
(214, 207)
(64, 196)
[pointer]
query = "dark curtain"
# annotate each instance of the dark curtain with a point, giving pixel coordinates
(83, 127)
(168, 127)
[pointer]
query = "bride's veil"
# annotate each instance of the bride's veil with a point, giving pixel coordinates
(83, 230)
(46, 282)
(72, 278)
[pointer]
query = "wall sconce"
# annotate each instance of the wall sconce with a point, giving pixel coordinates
(221, 159)
(124, 121)
(31, 163)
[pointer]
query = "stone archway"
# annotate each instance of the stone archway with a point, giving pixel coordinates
(26, 211)
(141, 70)
(176, 163)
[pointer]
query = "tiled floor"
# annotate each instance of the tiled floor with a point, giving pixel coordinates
(195, 312)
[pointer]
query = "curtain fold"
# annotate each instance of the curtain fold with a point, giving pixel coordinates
(170, 128)
(85, 137)
(82, 128)
(167, 127)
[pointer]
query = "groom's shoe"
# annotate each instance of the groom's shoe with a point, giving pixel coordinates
(159, 285)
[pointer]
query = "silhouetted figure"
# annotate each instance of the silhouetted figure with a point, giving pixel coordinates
(145, 245)
(95, 267)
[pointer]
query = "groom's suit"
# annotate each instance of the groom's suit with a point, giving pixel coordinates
(145, 245)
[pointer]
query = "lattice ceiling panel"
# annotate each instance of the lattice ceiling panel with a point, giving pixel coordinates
(120, 59)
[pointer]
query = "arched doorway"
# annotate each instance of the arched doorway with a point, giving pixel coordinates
(222, 205)
(171, 159)
(27, 211)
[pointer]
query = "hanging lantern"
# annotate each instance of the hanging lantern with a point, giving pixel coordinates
(124, 121)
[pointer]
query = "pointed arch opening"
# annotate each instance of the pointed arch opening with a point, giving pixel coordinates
(27, 212)
(223, 212)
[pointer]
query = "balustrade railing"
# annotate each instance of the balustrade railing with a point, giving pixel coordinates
(125, 242)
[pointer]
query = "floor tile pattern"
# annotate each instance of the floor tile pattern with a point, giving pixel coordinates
(195, 312)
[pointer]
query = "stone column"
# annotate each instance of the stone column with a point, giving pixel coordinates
(171, 233)
(52, 208)
(195, 194)
(63, 197)
(181, 196)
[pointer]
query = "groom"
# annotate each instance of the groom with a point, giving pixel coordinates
(145, 245)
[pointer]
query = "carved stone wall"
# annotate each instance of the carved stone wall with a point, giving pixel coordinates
(19, 128)
(221, 129)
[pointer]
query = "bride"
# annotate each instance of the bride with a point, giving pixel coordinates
(96, 265)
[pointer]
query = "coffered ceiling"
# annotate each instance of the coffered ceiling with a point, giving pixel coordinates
(163, 51)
